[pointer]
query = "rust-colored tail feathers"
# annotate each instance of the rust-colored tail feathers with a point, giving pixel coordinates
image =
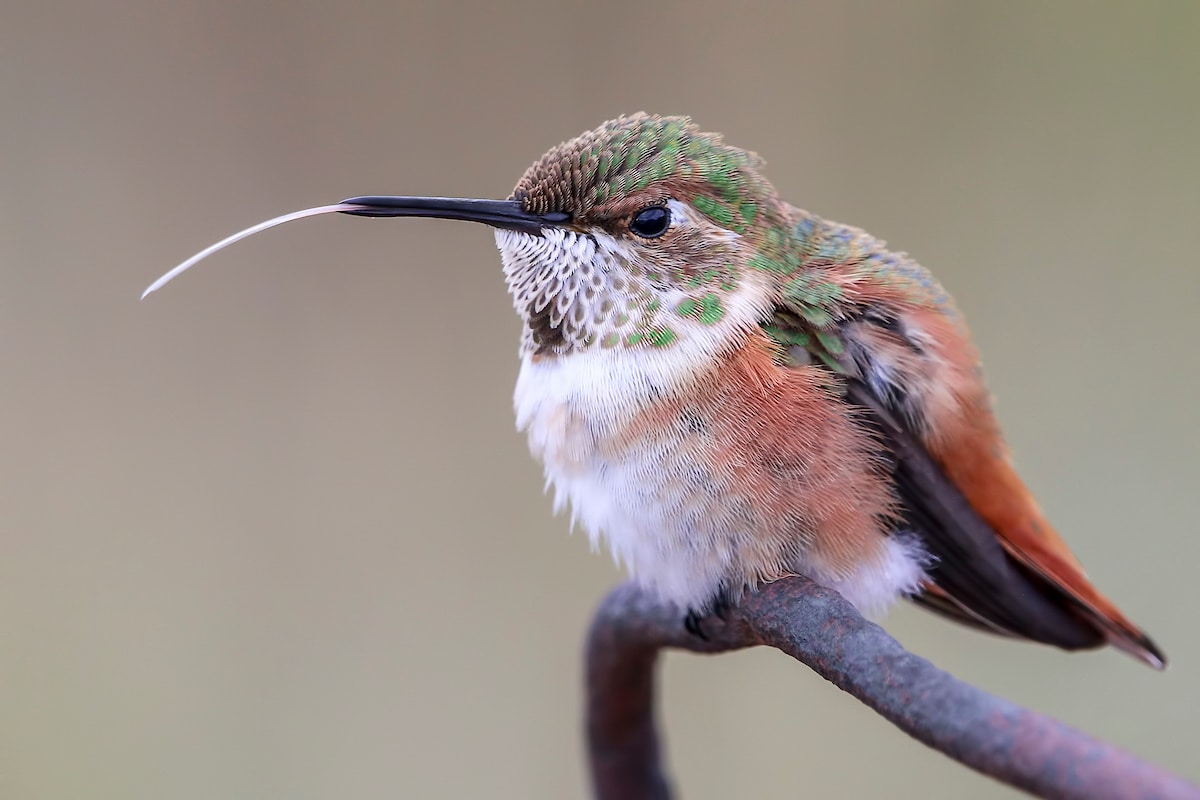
(1000, 566)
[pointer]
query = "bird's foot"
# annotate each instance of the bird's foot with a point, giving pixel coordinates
(693, 621)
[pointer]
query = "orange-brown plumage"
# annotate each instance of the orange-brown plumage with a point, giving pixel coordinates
(777, 440)
(756, 467)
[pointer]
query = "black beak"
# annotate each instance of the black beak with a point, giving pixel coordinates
(507, 214)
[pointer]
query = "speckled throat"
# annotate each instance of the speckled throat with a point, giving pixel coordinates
(577, 290)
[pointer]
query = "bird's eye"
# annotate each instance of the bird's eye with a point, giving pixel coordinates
(651, 222)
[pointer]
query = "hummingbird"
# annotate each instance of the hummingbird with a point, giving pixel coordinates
(729, 390)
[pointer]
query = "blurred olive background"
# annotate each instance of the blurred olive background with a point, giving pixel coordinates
(271, 533)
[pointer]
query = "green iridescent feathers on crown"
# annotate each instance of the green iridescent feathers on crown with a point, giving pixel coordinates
(631, 162)
(630, 155)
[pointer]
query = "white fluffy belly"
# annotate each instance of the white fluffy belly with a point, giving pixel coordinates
(666, 511)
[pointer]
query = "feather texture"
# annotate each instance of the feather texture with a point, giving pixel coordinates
(754, 391)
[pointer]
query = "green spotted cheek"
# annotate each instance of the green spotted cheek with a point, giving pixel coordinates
(687, 308)
(707, 310)
(711, 310)
(660, 337)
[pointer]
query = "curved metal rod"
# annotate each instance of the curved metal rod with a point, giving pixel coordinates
(817, 627)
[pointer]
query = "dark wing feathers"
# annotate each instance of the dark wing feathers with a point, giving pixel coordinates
(977, 583)
(974, 580)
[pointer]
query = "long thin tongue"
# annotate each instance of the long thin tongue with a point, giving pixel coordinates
(237, 237)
